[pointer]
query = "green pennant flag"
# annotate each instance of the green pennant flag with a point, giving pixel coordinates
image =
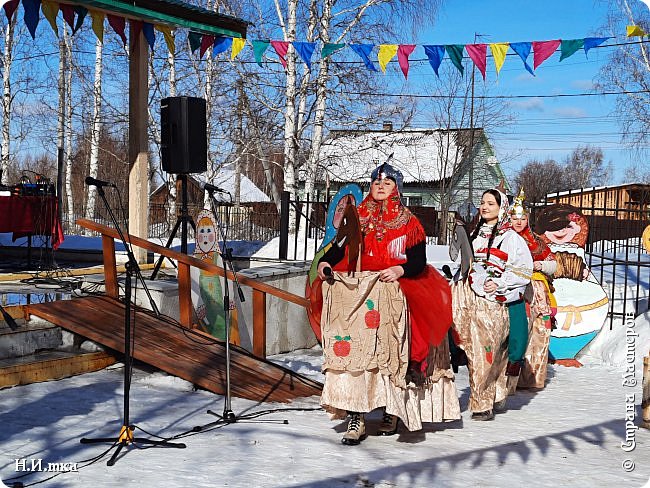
(455, 53)
(569, 47)
(329, 48)
(195, 40)
(259, 48)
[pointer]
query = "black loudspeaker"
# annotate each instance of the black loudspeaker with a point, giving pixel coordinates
(184, 143)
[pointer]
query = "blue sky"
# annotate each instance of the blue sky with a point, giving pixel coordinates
(545, 127)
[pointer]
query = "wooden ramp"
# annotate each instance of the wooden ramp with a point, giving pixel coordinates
(189, 354)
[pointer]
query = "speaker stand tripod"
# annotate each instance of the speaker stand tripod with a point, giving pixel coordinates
(126, 436)
(181, 221)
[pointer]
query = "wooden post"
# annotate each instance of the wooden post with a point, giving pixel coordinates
(184, 295)
(259, 323)
(645, 402)
(110, 269)
(138, 142)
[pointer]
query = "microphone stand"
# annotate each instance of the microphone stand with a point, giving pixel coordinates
(126, 435)
(228, 416)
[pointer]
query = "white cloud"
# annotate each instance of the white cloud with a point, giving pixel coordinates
(530, 104)
(570, 112)
(583, 84)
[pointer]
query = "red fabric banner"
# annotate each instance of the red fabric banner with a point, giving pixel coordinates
(26, 216)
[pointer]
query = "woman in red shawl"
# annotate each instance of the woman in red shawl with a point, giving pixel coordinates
(398, 359)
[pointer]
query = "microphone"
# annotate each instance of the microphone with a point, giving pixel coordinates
(211, 188)
(447, 271)
(327, 271)
(90, 181)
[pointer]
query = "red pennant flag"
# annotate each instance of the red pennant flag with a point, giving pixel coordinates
(118, 24)
(478, 54)
(68, 14)
(403, 53)
(281, 47)
(542, 50)
(10, 7)
(206, 42)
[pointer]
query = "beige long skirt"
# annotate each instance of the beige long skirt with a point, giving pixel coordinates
(533, 372)
(483, 328)
(365, 337)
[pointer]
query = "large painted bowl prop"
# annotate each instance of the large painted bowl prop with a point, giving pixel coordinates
(341, 225)
(582, 303)
(206, 288)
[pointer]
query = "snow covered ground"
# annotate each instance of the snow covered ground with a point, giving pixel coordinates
(571, 434)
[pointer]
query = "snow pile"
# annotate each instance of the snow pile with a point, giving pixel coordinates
(615, 347)
(271, 250)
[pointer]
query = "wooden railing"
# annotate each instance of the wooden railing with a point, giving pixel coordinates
(260, 290)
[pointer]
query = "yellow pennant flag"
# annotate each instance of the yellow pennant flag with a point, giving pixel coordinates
(499, 51)
(50, 11)
(238, 44)
(635, 30)
(98, 23)
(169, 37)
(386, 53)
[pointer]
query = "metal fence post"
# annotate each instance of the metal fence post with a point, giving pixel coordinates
(284, 225)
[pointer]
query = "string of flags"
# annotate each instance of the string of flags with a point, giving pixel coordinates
(74, 16)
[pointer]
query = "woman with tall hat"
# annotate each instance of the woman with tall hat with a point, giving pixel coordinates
(542, 306)
(384, 322)
(501, 270)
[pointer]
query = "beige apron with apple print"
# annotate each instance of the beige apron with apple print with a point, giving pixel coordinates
(365, 339)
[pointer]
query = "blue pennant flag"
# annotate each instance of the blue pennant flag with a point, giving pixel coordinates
(364, 51)
(221, 45)
(593, 42)
(523, 49)
(435, 55)
(305, 50)
(148, 33)
(32, 15)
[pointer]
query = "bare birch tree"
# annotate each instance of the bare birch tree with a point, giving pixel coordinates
(6, 98)
(628, 71)
(95, 131)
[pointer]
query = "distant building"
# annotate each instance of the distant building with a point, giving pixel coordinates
(613, 212)
(438, 164)
(629, 200)
(225, 180)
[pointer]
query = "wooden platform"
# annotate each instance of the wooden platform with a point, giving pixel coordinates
(50, 365)
(189, 354)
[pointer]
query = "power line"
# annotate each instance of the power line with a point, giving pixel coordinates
(497, 97)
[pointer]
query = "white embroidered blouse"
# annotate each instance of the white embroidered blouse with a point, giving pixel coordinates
(510, 265)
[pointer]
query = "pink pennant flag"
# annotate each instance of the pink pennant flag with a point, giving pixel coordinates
(542, 50)
(118, 24)
(206, 42)
(403, 53)
(68, 14)
(478, 54)
(281, 47)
